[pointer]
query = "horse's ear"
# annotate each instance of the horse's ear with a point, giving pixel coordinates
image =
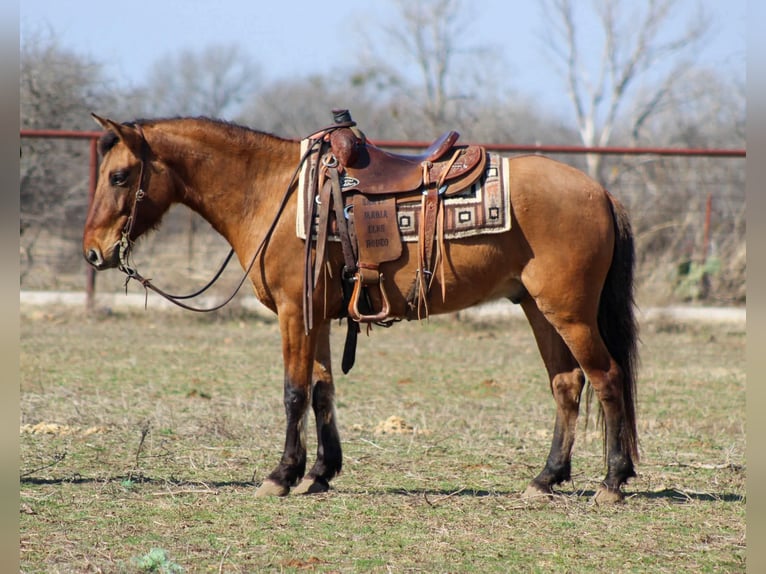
(100, 121)
(128, 135)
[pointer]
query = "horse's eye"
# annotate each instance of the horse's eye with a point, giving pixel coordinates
(118, 178)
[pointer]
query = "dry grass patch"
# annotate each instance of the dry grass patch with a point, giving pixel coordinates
(190, 418)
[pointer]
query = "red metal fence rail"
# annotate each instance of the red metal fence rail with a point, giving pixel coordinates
(664, 151)
(92, 137)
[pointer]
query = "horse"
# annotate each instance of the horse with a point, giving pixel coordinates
(567, 260)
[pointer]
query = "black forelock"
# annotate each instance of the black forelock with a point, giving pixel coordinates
(106, 142)
(109, 139)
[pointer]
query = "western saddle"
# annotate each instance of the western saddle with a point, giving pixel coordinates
(360, 185)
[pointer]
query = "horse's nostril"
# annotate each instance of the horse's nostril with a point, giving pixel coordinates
(94, 256)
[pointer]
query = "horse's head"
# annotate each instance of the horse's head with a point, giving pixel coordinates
(135, 188)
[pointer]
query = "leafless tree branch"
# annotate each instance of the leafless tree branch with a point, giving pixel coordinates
(634, 44)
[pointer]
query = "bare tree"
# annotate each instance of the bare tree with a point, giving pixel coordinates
(432, 38)
(212, 82)
(707, 109)
(299, 106)
(637, 45)
(429, 41)
(57, 88)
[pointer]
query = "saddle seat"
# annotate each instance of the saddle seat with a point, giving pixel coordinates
(433, 152)
(374, 171)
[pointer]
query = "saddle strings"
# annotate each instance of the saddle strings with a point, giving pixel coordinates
(428, 258)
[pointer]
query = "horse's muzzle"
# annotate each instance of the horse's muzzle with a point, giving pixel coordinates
(96, 258)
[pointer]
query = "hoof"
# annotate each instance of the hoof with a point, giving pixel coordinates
(271, 488)
(607, 496)
(536, 492)
(311, 486)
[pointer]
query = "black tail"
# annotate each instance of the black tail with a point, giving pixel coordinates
(617, 320)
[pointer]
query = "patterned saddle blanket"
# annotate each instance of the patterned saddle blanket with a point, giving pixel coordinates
(482, 208)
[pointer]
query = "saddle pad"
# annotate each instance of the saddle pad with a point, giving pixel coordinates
(483, 208)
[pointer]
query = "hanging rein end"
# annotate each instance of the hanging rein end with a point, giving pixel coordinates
(132, 273)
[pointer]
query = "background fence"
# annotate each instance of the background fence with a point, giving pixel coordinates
(687, 208)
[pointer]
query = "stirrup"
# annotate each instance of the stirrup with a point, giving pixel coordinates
(368, 275)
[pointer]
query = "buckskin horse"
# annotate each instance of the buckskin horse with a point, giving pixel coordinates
(567, 260)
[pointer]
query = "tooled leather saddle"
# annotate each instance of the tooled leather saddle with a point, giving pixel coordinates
(357, 187)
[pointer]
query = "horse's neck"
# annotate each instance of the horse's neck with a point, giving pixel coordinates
(234, 184)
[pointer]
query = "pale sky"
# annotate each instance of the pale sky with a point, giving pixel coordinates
(301, 37)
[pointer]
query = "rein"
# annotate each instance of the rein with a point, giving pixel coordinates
(126, 244)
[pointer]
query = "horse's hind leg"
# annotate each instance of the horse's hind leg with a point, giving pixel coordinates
(607, 379)
(567, 381)
(329, 459)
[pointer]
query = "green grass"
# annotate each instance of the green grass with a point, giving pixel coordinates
(205, 395)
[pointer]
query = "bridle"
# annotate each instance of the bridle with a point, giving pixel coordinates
(125, 243)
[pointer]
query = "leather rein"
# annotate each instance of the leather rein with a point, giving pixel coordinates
(126, 244)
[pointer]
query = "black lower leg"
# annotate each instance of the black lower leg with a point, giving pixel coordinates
(558, 465)
(566, 387)
(329, 459)
(292, 466)
(619, 464)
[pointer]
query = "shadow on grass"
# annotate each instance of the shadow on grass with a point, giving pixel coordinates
(665, 494)
(670, 494)
(77, 479)
(445, 493)
(685, 495)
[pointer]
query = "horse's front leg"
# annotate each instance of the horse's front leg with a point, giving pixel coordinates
(329, 458)
(298, 350)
